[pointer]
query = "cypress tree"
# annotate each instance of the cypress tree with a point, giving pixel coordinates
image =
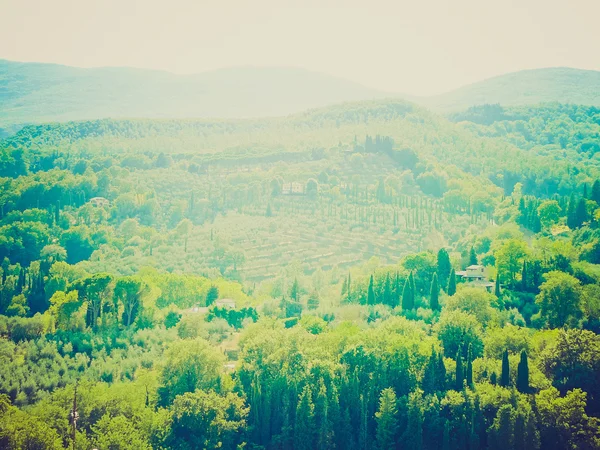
(581, 215)
(441, 373)
(5, 266)
(295, 291)
(459, 376)
(434, 293)
(363, 431)
(322, 422)
(497, 286)
(413, 435)
(21, 280)
(344, 287)
(523, 374)
(371, 292)
(313, 300)
(269, 212)
(571, 216)
(505, 375)
(430, 375)
(387, 420)
(532, 434)
(408, 301)
(493, 379)
(387, 291)
(395, 291)
(522, 218)
(348, 286)
(443, 266)
(451, 290)
(304, 427)
(413, 288)
(524, 281)
(469, 374)
(595, 194)
(503, 428)
(446, 436)
(473, 257)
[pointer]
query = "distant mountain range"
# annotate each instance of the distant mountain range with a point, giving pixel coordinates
(527, 87)
(36, 92)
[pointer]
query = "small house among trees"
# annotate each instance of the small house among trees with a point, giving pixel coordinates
(292, 189)
(225, 303)
(474, 275)
(99, 201)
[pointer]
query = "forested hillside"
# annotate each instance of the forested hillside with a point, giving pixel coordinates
(526, 87)
(368, 275)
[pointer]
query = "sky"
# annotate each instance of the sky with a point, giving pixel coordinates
(419, 47)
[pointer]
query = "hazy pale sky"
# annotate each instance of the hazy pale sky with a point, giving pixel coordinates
(410, 46)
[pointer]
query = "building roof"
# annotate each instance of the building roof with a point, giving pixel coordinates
(475, 267)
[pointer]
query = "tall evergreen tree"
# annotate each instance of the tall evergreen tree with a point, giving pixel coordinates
(363, 428)
(503, 428)
(443, 266)
(430, 376)
(505, 375)
(469, 371)
(408, 296)
(523, 373)
(295, 291)
(313, 300)
(413, 435)
(36, 297)
(441, 373)
(304, 427)
(497, 291)
(571, 216)
(446, 436)
(595, 194)
(349, 287)
(451, 290)
(524, 278)
(473, 257)
(387, 291)
(581, 215)
(5, 266)
(387, 420)
(532, 433)
(459, 374)
(434, 293)
(371, 292)
(322, 420)
(493, 379)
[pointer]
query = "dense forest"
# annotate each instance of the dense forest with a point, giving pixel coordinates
(364, 276)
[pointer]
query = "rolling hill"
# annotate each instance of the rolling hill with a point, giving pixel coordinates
(33, 92)
(526, 87)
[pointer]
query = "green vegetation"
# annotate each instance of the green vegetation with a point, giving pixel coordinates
(366, 276)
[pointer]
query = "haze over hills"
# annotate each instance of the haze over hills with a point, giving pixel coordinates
(35, 92)
(526, 87)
